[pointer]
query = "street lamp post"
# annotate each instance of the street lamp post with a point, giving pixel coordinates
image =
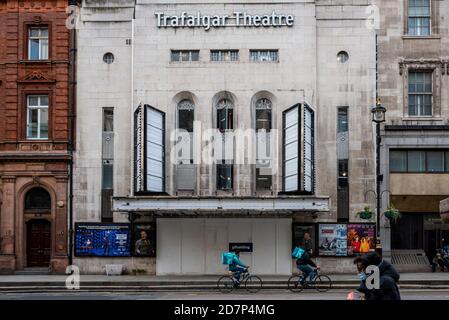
(378, 117)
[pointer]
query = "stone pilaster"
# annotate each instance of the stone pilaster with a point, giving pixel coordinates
(59, 259)
(7, 230)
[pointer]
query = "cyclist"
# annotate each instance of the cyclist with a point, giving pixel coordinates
(304, 264)
(237, 267)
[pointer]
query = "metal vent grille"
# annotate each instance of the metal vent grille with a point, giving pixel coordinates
(409, 257)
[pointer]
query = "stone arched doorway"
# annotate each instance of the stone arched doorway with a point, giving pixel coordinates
(38, 229)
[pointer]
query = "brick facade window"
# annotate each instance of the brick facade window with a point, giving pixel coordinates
(38, 43)
(37, 117)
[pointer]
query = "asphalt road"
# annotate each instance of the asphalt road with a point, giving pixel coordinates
(263, 295)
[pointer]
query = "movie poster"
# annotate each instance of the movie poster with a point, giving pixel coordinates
(144, 240)
(102, 240)
(299, 230)
(332, 240)
(361, 238)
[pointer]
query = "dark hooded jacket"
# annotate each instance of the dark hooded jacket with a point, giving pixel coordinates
(388, 288)
(305, 260)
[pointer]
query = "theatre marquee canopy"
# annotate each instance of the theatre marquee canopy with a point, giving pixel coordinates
(287, 205)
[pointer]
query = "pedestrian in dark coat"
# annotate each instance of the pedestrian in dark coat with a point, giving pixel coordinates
(388, 279)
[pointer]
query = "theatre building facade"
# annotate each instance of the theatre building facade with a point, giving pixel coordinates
(206, 126)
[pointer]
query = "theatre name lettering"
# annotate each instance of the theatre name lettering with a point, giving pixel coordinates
(237, 19)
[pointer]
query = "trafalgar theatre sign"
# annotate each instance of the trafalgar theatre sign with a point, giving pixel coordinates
(237, 19)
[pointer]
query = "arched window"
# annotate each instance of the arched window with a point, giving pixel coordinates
(37, 199)
(186, 110)
(263, 160)
(225, 115)
(225, 122)
(263, 114)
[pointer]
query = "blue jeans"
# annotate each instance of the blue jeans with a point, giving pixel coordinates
(237, 270)
(307, 270)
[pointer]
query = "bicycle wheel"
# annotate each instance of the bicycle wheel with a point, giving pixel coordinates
(294, 284)
(323, 283)
(225, 284)
(253, 284)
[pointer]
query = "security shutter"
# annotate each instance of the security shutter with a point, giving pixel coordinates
(149, 150)
(298, 150)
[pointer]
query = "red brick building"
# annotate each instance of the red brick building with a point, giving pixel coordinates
(35, 131)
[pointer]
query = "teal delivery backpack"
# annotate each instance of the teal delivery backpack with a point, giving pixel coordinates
(297, 253)
(227, 257)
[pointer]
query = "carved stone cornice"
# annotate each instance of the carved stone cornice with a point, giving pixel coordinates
(8, 179)
(423, 64)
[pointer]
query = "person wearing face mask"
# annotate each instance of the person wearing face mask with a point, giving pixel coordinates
(388, 278)
(361, 265)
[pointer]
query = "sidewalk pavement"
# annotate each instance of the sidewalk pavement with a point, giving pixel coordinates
(438, 280)
(409, 277)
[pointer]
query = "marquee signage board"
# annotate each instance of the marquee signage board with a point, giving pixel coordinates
(237, 19)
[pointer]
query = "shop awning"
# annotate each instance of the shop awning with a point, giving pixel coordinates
(161, 205)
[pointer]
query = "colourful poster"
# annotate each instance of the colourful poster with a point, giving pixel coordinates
(102, 240)
(361, 238)
(332, 240)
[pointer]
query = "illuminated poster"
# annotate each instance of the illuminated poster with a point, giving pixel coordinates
(102, 240)
(361, 238)
(332, 240)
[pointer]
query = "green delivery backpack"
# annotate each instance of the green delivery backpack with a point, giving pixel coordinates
(297, 253)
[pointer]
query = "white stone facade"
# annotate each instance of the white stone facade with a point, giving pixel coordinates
(307, 71)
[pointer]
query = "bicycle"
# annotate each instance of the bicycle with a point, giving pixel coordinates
(226, 284)
(320, 282)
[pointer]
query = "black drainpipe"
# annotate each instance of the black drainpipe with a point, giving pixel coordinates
(72, 117)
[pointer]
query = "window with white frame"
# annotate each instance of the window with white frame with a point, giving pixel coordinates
(224, 55)
(38, 43)
(419, 17)
(420, 93)
(264, 55)
(185, 55)
(37, 117)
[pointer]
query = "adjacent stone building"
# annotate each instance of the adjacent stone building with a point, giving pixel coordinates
(303, 71)
(414, 87)
(34, 135)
